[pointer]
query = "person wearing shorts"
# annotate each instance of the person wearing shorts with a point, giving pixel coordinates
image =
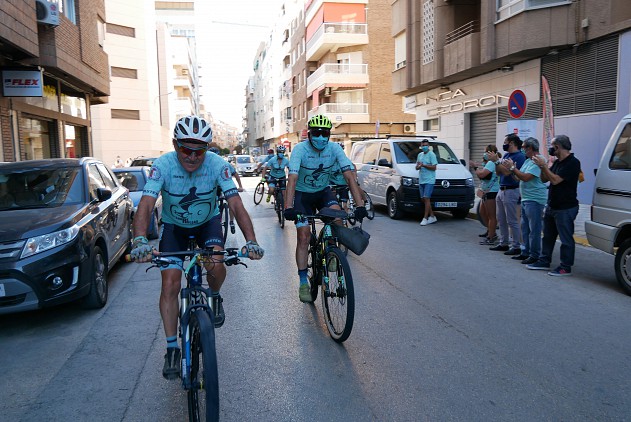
(426, 164)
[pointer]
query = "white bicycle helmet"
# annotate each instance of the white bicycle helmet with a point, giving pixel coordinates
(193, 128)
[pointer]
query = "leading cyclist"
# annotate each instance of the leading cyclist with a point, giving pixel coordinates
(276, 165)
(188, 179)
(308, 188)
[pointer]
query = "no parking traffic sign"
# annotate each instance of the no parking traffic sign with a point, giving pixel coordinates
(517, 104)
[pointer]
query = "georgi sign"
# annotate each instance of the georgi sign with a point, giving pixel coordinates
(455, 103)
(22, 83)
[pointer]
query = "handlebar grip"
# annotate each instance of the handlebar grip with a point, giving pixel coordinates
(129, 258)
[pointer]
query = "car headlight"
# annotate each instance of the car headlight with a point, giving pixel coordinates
(469, 181)
(45, 242)
(409, 181)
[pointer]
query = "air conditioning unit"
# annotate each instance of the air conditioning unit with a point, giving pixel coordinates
(47, 12)
(327, 91)
(408, 128)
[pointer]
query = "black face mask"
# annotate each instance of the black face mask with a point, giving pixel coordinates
(505, 147)
(551, 150)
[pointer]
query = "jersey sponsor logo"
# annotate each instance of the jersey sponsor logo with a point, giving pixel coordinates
(226, 174)
(154, 173)
(318, 178)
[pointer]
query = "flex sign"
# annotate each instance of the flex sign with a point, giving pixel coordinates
(455, 104)
(22, 83)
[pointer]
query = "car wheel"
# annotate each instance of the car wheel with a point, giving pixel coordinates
(97, 296)
(460, 213)
(623, 265)
(394, 210)
(154, 226)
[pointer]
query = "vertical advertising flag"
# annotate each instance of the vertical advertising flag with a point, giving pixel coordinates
(548, 115)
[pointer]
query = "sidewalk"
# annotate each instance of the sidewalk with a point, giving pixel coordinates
(579, 224)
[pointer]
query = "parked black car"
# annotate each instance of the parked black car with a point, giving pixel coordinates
(64, 223)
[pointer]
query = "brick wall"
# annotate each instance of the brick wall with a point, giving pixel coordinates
(18, 24)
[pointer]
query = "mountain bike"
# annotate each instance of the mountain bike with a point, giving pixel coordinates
(279, 199)
(197, 329)
(259, 191)
(328, 271)
(370, 209)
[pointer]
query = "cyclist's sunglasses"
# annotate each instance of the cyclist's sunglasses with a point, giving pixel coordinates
(188, 151)
(320, 131)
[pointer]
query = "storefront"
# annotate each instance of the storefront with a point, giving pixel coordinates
(589, 96)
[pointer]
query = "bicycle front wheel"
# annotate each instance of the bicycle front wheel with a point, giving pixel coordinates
(338, 295)
(280, 207)
(313, 274)
(225, 218)
(203, 396)
(258, 193)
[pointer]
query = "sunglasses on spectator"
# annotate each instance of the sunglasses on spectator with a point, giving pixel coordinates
(194, 151)
(320, 132)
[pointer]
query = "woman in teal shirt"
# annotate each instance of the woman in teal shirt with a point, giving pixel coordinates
(489, 185)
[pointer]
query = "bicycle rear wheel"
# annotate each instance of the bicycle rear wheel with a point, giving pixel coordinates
(338, 303)
(280, 206)
(313, 273)
(203, 396)
(258, 193)
(225, 218)
(370, 209)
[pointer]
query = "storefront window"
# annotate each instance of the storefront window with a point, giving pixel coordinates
(74, 106)
(47, 101)
(34, 139)
(74, 141)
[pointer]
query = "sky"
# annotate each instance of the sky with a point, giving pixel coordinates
(226, 51)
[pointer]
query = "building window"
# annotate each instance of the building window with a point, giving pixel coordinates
(100, 28)
(508, 8)
(428, 32)
(122, 72)
(125, 114)
(399, 51)
(67, 7)
(431, 125)
(125, 31)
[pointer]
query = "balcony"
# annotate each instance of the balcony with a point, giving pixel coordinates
(331, 36)
(343, 112)
(338, 75)
(462, 49)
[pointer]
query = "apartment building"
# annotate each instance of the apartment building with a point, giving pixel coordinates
(349, 66)
(459, 63)
(53, 69)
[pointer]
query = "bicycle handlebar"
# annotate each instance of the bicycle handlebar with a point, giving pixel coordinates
(232, 256)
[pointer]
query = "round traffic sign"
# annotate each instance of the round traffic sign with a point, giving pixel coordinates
(517, 104)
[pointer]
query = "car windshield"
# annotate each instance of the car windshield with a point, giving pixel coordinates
(40, 188)
(132, 180)
(407, 152)
(243, 160)
(142, 162)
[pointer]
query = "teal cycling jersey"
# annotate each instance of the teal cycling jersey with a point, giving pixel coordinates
(277, 169)
(314, 168)
(189, 199)
(337, 177)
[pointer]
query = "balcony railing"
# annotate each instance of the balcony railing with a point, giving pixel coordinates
(333, 73)
(339, 34)
(343, 112)
(463, 31)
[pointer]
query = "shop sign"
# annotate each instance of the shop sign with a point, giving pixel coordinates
(22, 83)
(456, 104)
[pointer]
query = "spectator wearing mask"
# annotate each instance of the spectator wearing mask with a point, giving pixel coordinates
(534, 195)
(426, 164)
(562, 208)
(507, 201)
(489, 186)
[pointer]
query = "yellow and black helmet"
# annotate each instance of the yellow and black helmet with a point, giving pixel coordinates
(320, 120)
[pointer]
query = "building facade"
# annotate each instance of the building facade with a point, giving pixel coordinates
(463, 66)
(54, 68)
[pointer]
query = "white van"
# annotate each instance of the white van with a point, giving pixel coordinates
(386, 170)
(610, 227)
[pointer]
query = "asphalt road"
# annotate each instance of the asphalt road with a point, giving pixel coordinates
(444, 330)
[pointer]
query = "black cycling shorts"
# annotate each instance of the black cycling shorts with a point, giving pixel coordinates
(175, 238)
(309, 202)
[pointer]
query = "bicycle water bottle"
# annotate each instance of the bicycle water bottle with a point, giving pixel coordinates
(196, 275)
(327, 231)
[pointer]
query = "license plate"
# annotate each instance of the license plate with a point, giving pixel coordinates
(2, 292)
(445, 205)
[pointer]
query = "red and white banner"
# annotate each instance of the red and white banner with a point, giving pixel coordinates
(548, 115)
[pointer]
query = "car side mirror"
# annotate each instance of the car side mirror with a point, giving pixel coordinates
(103, 194)
(463, 162)
(595, 171)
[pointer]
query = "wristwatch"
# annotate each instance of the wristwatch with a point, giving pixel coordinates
(512, 168)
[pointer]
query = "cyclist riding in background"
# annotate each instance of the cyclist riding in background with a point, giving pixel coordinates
(263, 159)
(236, 176)
(188, 179)
(276, 165)
(308, 188)
(339, 182)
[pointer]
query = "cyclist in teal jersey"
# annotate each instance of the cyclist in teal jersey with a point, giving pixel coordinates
(310, 169)
(188, 179)
(338, 180)
(276, 166)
